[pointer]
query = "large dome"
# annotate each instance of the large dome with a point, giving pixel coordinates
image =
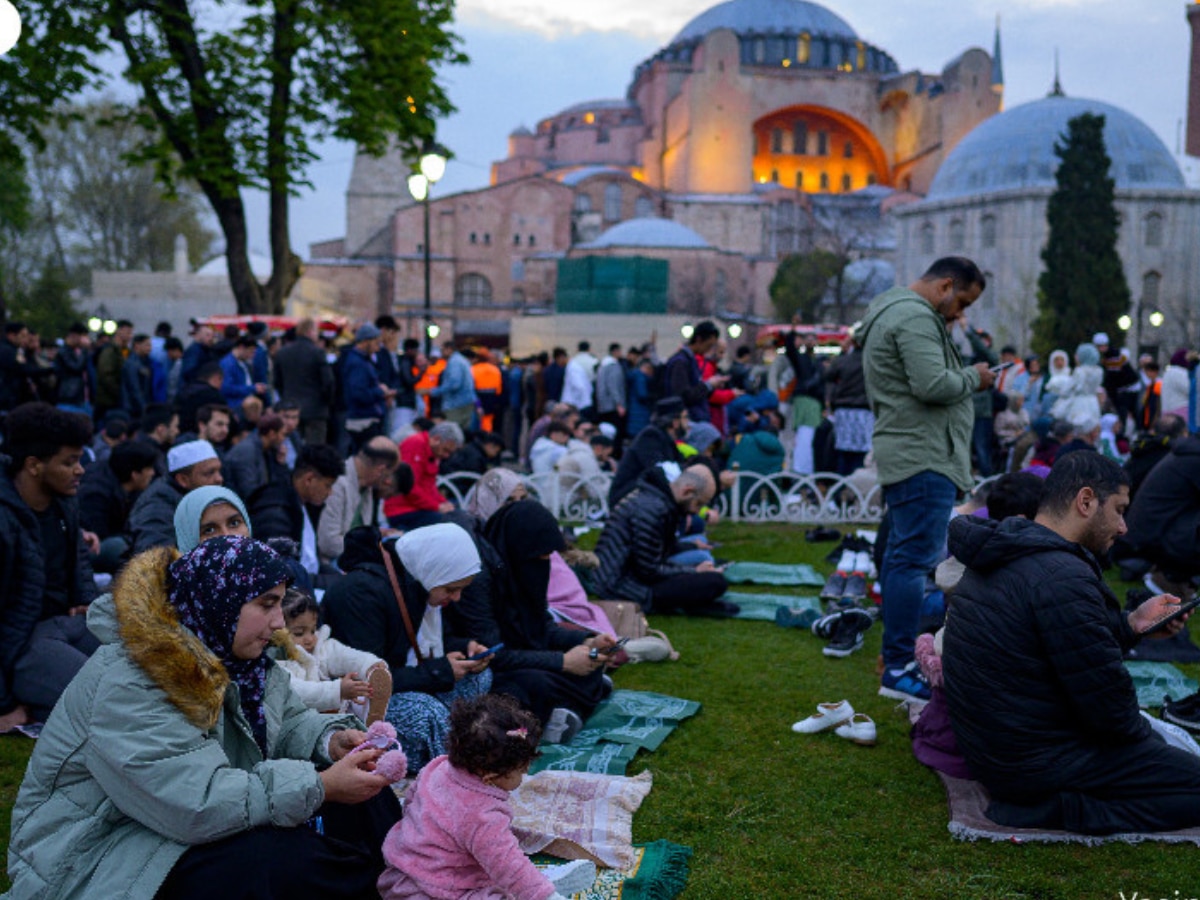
(765, 16)
(1016, 150)
(649, 232)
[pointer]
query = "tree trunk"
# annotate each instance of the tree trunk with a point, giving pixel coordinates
(285, 265)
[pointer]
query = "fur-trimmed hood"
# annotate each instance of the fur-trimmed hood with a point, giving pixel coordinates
(138, 615)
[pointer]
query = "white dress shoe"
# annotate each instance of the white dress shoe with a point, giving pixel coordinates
(827, 716)
(860, 729)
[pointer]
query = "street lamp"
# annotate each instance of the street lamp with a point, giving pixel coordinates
(432, 166)
(735, 331)
(1157, 318)
(1125, 323)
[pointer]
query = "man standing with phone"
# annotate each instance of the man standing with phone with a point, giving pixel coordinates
(920, 391)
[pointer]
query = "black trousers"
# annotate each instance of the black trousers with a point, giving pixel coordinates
(688, 592)
(1143, 787)
(541, 691)
(292, 863)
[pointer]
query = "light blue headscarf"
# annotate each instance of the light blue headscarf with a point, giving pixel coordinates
(192, 507)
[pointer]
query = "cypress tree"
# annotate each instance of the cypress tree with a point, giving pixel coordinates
(1082, 289)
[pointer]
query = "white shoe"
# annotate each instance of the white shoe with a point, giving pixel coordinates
(860, 730)
(573, 877)
(827, 716)
(562, 725)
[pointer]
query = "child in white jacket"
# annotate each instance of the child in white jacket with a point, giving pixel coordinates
(326, 674)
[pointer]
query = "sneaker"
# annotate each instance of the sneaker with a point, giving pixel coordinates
(848, 633)
(1185, 713)
(906, 684)
(823, 627)
(573, 877)
(562, 726)
(855, 589)
(796, 618)
(718, 609)
(835, 587)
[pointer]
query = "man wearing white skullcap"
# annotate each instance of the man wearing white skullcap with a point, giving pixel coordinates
(152, 519)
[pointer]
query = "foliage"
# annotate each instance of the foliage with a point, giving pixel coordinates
(1083, 288)
(48, 308)
(802, 281)
(14, 212)
(234, 97)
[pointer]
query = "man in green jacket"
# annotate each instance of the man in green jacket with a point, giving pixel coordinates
(920, 391)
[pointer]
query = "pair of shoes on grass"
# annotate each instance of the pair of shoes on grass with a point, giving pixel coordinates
(843, 631)
(858, 728)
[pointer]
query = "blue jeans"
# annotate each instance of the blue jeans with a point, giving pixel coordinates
(919, 511)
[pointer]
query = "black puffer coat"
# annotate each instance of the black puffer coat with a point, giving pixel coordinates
(1164, 518)
(635, 543)
(1032, 660)
(651, 446)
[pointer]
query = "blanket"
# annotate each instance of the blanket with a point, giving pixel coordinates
(621, 725)
(579, 815)
(768, 573)
(762, 607)
(659, 872)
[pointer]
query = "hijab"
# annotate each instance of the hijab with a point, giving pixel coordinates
(208, 587)
(491, 492)
(438, 554)
(522, 533)
(192, 507)
(1059, 363)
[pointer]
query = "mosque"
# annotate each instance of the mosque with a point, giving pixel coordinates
(764, 127)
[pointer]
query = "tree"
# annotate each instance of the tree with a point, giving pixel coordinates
(802, 281)
(47, 308)
(1082, 289)
(234, 97)
(14, 213)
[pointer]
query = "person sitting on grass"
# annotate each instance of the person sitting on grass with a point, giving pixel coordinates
(180, 760)
(456, 837)
(639, 536)
(326, 674)
(1042, 707)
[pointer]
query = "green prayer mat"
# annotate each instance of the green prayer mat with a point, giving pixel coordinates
(1155, 680)
(660, 873)
(769, 573)
(620, 726)
(761, 607)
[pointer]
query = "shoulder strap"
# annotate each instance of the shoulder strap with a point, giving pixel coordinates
(408, 626)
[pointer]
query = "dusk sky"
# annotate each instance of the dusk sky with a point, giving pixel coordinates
(530, 58)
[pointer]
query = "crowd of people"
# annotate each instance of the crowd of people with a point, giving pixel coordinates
(172, 518)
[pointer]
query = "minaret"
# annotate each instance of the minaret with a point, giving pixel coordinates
(1192, 143)
(997, 64)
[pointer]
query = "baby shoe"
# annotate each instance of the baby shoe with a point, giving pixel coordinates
(827, 716)
(573, 877)
(859, 730)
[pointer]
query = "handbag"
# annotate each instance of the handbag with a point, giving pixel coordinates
(408, 626)
(646, 644)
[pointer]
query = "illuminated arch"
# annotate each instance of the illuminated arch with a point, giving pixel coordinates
(827, 133)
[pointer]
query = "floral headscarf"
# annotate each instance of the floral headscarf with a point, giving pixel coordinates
(208, 588)
(491, 492)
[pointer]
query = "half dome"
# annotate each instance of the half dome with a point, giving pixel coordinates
(1015, 150)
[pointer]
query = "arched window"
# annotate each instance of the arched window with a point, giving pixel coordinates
(532, 240)
(927, 238)
(775, 176)
(958, 234)
(800, 138)
(1153, 229)
(799, 181)
(822, 143)
(846, 182)
(516, 240)
(824, 181)
(987, 231)
(1151, 282)
(612, 202)
(848, 150)
(474, 238)
(583, 203)
(643, 208)
(776, 140)
(472, 289)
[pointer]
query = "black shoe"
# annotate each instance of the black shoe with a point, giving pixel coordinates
(835, 587)
(820, 535)
(718, 609)
(848, 633)
(1185, 713)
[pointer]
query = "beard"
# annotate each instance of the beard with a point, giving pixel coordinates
(1097, 540)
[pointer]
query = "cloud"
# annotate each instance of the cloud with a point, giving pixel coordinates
(657, 20)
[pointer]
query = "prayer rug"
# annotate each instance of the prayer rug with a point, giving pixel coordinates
(660, 873)
(969, 822)
(762, 607)
(769, 573)
(621, 725)
(1155, 680)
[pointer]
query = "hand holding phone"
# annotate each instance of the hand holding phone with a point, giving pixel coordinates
(1000, 368)
(484, 654)
(1181, 610)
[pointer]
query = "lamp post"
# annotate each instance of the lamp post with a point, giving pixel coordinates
(432, 166)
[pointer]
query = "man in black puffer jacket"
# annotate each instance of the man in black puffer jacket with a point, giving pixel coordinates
(1041, 705)
(640, 535)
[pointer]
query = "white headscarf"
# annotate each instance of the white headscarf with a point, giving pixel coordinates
(438, 554)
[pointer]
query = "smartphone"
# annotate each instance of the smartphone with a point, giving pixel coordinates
(1001, 367)
(615, 647)
(484, 654)
(1175, 614)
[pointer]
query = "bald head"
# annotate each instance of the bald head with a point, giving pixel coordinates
(375, 461)
(694, 488)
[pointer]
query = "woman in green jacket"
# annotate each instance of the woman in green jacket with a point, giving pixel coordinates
(180, 764)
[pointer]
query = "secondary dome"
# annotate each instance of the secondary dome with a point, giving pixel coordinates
(1016, 150)
(764, 16)
(649, 232)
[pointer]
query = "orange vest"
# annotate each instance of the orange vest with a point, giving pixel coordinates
(429, 380)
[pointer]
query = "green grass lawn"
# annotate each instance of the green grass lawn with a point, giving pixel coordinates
(772, 814)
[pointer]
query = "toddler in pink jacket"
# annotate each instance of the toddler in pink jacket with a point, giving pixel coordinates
(455, 841)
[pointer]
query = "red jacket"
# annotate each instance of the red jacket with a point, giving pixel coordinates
(717, 399)
(425, 495)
